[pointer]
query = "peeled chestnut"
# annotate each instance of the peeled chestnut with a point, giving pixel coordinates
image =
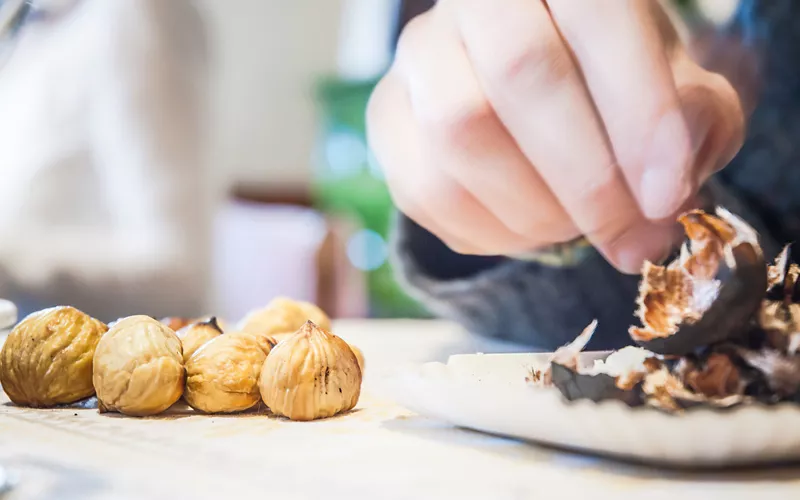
(196, 335)
(47, 358)
(176, 323)
(312, 374)
(138, 367)
(222, 376)
(359, 357)
(282, 316)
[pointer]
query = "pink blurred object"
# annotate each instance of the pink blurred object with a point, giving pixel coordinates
(263, 251)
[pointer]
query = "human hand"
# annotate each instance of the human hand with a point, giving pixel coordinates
(510, 125)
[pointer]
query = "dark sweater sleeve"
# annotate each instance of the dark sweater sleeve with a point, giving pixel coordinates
(529, 302)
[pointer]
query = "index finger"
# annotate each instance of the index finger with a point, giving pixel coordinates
(624, 49)
(529, 76)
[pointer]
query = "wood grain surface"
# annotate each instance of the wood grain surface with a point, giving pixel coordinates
(378, 451)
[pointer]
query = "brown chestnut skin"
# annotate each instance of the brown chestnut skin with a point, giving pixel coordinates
(742, 287)
(739, 299)
(47, 358)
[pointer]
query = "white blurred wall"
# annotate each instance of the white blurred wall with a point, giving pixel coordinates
(270, 52)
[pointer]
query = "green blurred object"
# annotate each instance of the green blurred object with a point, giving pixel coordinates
(348, 182)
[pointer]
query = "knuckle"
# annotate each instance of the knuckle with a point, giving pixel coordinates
(720, 84)
(542, 61)
(600, 187)
(730, 100)
(411, 39)
(437, 190)
(461, 123)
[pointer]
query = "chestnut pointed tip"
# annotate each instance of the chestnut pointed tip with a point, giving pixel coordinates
(308, 328)
(214, 323)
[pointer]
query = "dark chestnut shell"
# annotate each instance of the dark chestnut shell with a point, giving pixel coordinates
(596, 388)
(741, 291)
(738, 300)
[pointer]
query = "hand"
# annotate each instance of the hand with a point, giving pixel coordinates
(505, 126)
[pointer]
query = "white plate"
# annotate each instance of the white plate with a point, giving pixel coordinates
(488, 393)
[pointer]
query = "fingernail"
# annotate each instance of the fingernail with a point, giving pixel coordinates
(665, 185)
(645, 242)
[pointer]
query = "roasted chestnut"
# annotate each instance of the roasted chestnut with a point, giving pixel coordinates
(195, 335)
(709, 293)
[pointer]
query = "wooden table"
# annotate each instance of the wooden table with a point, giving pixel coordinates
(381, 451)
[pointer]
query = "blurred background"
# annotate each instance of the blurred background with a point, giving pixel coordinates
(188, 157)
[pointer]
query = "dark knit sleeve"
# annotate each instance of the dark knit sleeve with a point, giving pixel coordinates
(523, 301)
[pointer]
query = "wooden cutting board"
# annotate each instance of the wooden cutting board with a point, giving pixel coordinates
(76, 452)
(79, 453)
(379, 451)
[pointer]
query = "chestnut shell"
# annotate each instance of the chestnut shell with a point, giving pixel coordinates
(596, 388)
(740, 296)
(740, 270)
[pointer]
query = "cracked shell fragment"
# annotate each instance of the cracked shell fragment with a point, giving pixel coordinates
(618, 376)
(47, 358)
(222, 376)
(138, 367)
(715, 376)
(781, 372)
(779, 314)
(780, 322)
(638, 377)
(707, 295)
